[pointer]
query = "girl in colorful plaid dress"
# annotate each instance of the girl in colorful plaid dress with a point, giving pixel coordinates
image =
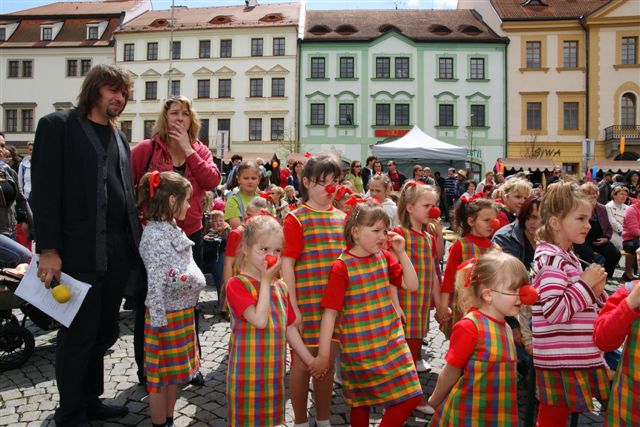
(618, 321)
(477, 386)
(261, 324)
(570, 369)
(376, 363)
(314, 239)
(175, 281)
(473, 219)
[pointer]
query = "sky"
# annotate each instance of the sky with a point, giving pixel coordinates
(8, 6)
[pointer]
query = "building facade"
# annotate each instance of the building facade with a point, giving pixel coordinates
(368, 77)
(46, 51)
(237, 64)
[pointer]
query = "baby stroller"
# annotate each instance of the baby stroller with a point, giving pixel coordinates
(16, 341)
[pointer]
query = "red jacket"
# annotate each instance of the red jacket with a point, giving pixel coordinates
(200, 171)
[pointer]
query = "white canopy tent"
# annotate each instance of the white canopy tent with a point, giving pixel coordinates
(416, 147)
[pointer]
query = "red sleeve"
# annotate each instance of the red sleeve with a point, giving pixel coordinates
(504, 220)
(464, 338)
(614, 321)
(336, 287)
(291, 315)
(233, 241)
(239, 297)
(395, 269)
(201, 166)
(293, 237)
(455, 257)
(140, 154)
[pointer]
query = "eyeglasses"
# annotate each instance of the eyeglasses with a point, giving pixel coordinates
(505, 293)
(357, 166)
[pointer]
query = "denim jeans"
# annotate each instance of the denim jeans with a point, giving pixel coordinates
(12, 253)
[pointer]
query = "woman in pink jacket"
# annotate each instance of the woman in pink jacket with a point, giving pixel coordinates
(631, 228)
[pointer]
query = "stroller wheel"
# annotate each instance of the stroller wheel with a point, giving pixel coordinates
(16, 346)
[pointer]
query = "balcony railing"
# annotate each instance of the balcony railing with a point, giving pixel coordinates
(630, 132)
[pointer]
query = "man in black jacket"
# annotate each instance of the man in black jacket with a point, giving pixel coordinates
(86, 225)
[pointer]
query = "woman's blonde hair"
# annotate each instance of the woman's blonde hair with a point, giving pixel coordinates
(494, 270)
(161, 127)
(516, 185)
(386, 181)
(257, 229)
(560, 199)
(365, 214)
(590, 189)
(409, 194)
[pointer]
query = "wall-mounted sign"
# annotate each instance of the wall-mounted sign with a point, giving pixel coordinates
(392, 132)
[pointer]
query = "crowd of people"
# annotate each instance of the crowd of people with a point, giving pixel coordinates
(341, 265)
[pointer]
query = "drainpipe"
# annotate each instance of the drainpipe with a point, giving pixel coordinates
(586, 85)
(506, 99)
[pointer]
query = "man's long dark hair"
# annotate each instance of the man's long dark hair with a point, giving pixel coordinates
(102, 75)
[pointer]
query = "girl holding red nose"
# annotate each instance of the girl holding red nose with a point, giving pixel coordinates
(313, 240)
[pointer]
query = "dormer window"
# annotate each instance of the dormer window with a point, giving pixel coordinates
(49, 30)
(471, 30)
(3, 34)
(96, 29)
(319, 30)
(46, 34)
(7, 30)
(92, 32)
(440, 30)
(533, 3)
(346, 30)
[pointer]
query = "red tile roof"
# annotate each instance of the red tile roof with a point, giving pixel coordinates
(418, 25)
(554, 9)
(228, 17)
(73, 33)
(79, 8)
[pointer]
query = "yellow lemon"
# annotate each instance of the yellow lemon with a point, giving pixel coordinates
(61, 293)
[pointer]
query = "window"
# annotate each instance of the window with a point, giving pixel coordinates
(14, 69)
(570, 115)
(383, 68)
(629, 52)
(445, 68)
(570, 53)
(11, 118)
(255, 88)
(477, 69)
(204, 88)
(277, 87)
(445, 115)
(126, 126)
(345, 114)
(85, 66)
(225, 48)
(255, 129)
(27, 69)
(402, 68)
(383, 114)
(628, 110)
(128, 51)
(477, 116)
(533, 54)
(3, 34)
(224, 88)
(47, 33)
(148, 128)
(256, 47)
(151, 90)
(152, 51)
(174, 87)
(204, 50)
(317, 68)
(278, 46)
(402, 114)
(27, 120)
(204, 131)
(176, 50)
(92, 33)
(317, 114)
(225, 124)
(534, 116)
(346, 67)
(72, 67)
(277, 129)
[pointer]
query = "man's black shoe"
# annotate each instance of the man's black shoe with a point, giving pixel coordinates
(197, 379)
(105, 412)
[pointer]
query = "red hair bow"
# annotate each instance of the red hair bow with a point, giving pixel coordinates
(354, 200)
(342, 191)
(414, 183)
(265, 195)
(307, 155)
(154, 182)
(471, 262)
(466, 199)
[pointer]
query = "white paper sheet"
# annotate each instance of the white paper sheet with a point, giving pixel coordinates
(33, 291)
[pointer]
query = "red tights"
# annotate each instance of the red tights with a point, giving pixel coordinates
(551, 416)
(415, 346)
(394, 416)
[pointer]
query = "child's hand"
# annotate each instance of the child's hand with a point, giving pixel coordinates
(401, 315)
(270, 273)
(517, 336)
(598, 289)
(528, 348)
(633, 300)
(318, 367)
(593, 275)
(396, 241)
(443, 314)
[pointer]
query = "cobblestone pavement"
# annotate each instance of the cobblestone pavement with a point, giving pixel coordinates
(28, 395)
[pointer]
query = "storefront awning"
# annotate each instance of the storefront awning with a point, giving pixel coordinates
(532, 165)
(614, 165)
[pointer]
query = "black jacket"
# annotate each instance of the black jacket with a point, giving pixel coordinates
(68, 196)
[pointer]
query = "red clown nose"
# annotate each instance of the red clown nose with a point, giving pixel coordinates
(528, 295)
(494, 223)
(434, 212)
(330, 188)
(271, 260)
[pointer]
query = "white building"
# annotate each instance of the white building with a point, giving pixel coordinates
(46, 51)
(238, 64)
